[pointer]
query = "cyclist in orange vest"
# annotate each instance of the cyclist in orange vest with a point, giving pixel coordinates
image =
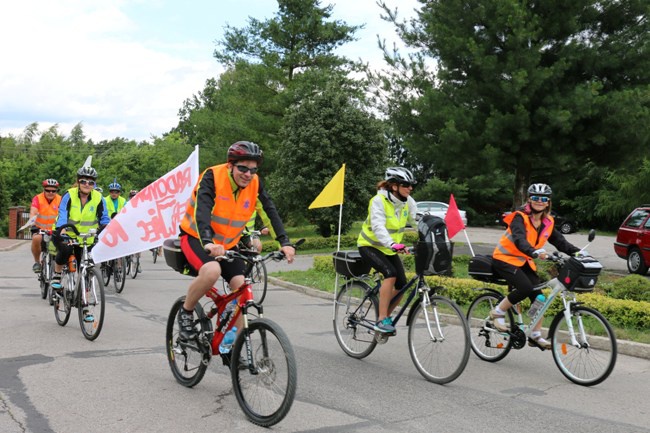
(45, 207)
(221, 205)
(529, 227)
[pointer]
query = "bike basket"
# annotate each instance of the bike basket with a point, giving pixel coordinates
(480, 268)
(580, 274)
(350, 264)
(175, 258)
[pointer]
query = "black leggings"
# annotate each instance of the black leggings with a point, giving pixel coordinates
(522, 280)
(388, 266)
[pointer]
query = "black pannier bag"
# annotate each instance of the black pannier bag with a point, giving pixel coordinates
(480, 268)
(350, 264)
(434, 250)
(580, 274)
(175, 258)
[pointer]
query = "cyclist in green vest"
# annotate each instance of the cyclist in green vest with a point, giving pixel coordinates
(381, 237)
(114, 202)
(84, 207)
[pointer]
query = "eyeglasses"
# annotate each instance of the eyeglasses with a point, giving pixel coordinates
(86, 182)
(114, 190)
(540, 198)
(50, 191)
(406, 184)
(245, 169)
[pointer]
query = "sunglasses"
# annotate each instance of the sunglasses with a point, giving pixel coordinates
(86, 182)
(244, 169)
(540, 198)
(406, 184)
(51, 191)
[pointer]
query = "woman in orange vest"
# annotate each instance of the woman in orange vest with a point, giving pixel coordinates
(221, 205)
(529, 227)
(45, 208)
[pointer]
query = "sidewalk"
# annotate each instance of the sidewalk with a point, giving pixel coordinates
(10, 244)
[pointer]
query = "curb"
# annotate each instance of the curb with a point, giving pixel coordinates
(11, 244)
(625, 347)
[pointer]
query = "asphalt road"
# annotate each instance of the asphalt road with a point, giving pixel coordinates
(53, 380)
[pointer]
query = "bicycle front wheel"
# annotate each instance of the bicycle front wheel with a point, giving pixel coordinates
(119, 274)
(106, 272)
(188, 360)
(63, 299)
(135, 266)
(592, 358)
(354, 318)
(438, 339)
(265, 390)
(155, 255)
(91, 311)
(487, 342)
(259, 281)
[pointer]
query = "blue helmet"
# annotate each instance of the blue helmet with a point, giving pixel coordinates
(114, 186)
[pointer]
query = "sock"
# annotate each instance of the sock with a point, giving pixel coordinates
(499, 310)
(535, 335)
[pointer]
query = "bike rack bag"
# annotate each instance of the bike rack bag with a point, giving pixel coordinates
(350, 264)
(175, 258)
(580, 274)
(480, 268)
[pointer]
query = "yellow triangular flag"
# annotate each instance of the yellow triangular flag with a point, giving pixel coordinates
(332, 194)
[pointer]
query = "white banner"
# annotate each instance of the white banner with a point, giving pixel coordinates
(152, 216)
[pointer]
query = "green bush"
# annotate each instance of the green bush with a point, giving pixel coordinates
(631, 287)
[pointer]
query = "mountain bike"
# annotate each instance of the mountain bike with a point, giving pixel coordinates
(256, 268)
(438, 335)
(583, 342)
(47, 267)
(82, 288)
(261, 361)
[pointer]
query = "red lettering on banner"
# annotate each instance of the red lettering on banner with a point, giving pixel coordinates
(113, 233)
(157, 227)
(164, 187)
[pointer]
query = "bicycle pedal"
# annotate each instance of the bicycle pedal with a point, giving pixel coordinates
(381, 337)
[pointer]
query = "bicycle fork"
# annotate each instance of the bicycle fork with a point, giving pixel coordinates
(426, 302)
(568, 317)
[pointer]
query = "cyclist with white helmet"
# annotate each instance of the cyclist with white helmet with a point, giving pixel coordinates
(381, 237)
(529, 228)
(84, 207)
(114, 202)
(44, 208)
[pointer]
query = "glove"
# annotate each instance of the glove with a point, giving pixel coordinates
(581, 254)
(538, 252)
(398, 247)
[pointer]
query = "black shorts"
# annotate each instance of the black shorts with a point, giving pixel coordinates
(197, 257)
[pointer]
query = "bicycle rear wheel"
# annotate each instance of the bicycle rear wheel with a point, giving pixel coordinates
(154, 252)
(259, 283)
(119, 274)
(106, 272)
(63, 299)
(487, 343)
(188, 360)
(438, 339)
(44, 275)
(135, 265)
(265, 390)
(594, 359)
(354, 317)
(91, 313)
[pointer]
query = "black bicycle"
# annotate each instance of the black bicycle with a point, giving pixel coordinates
(438, 335)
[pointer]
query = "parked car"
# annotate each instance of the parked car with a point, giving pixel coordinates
(633, 240)
(565, 225)
(436, 208)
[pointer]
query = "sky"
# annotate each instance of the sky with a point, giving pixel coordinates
(122, 68)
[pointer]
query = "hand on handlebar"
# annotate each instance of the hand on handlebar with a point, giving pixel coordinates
(289, 252)
(400, 248)
(214, 250)
(540, 254)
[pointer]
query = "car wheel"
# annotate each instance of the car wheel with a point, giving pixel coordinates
(635, 262)
(566, 228)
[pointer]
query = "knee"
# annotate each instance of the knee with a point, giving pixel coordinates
(210, 271)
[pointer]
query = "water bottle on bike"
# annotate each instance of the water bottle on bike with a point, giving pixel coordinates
(228, 340)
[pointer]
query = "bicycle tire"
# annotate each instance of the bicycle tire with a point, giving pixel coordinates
(62, 302)
(155, 255)
(593, 362)
(443, 358)
(106, 272)
(119, 274)
(266, 391)
(135, 266)
(188, 362)
(43, 274)
(50, 272)
(95, 304)
(486, 342)
(259, 281)
(351, 310)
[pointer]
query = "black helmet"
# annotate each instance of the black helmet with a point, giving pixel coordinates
(87, 172)
(399, 175)
(244, 150)
(540, 189)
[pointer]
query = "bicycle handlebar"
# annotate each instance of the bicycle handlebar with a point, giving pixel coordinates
(231, 255)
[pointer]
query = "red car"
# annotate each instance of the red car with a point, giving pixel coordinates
(633, 240)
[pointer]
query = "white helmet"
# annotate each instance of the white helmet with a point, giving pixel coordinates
(399, 175)
(540, 189)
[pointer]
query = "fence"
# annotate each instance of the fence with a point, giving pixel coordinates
(17, 218)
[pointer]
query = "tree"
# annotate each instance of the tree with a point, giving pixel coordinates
(538, 87)
(320, 134)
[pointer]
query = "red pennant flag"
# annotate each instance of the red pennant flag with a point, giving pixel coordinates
(453, 219)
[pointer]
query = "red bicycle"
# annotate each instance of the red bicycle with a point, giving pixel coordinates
(261, 362)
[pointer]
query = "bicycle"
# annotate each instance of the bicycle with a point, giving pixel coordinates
(155, 252)
(133, 265)
(82, 288)
(438, 335)
(262, 362)
(582, 341)
(45, 275)
(120, 268)
(255, 269)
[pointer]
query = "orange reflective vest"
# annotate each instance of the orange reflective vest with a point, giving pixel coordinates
(507, 251)
(229, 215)
(47, 211)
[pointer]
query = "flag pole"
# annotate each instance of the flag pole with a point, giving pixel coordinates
(469, 243)
(338, 248)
